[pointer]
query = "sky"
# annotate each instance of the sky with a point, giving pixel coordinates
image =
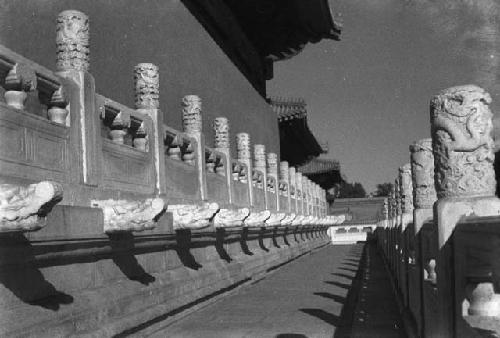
(368, 95)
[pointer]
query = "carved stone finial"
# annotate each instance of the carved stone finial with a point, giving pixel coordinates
(243, 146)
(422, 168)
(147, 86)
(406, 188)
(72, 41)
(272, 164)
(284, 171)
(123, 215)
(231, 217)
(191, 114)
(257, 218)
(24, 208)
(192, 216)
(221, 127)
(260, 156)
(462, 142)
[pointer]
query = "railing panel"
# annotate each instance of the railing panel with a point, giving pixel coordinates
(428, 251)
(127, 160)
(476, 275)
(32, 147)
(217, 186)
(259, 192)
(182, 181)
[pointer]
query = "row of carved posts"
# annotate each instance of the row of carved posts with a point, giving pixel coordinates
(306, 201)
(450, 177)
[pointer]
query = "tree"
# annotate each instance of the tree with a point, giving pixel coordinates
(351, 190)
(383, 189)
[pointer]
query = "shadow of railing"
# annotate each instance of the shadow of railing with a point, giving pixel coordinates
(28, 283)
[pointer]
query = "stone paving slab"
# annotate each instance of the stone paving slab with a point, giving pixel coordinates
(307, 298)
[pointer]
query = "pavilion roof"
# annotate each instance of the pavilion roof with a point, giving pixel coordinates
(280, 29)
(320, 166)
(297, 143)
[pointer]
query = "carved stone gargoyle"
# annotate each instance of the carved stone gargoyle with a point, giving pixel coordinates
(257, 218)
(298, 220)
(231, 217)
(193, 216)
(25, 208)
(275, 219)
(123, 215)
(307, 220)
(288, 219)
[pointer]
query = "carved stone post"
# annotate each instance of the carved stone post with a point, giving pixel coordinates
(272, 171)
(228, 217)
(244, 156)
(285, 177)
(72, 63)
(293, 190)
(406, 194)
(192, 126)
(424, 196)
(222, 144)
(465, 182)
(260, 164)
(298, 198)
(299, 193)
(147, 101)
(73, 47)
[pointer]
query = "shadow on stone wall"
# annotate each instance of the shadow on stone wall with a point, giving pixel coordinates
(123, 256)
(27, 282)
(244, 243)
(183, 238)
(261, 240)
(219, 245)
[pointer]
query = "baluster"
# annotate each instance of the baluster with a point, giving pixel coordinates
(219, 166)
(188, 155)
(174, 150)
(58, 103)
(141, 138)
(236, 171)
(210, 160)
(118, 126)
(20, 80)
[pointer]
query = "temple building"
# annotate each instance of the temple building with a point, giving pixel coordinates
(299, 145)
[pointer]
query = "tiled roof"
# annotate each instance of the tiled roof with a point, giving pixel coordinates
(288, 109)
(319, 165)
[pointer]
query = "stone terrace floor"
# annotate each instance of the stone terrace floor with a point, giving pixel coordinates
(337, 291)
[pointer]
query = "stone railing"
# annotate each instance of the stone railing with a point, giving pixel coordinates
(440, 228)
(107, 210)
